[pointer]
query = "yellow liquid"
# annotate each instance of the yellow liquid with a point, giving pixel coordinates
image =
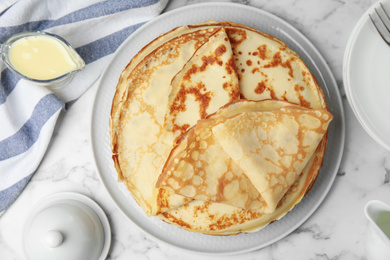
(383, 222)
(41, 57)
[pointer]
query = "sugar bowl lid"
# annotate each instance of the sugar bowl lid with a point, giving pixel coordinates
(66, 226)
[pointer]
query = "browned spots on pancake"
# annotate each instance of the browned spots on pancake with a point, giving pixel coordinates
(284, 96)
(220, 50)
(262, 52)
(178, 104)
(175, 220)
(255, 70)
(224, 222)
(272, 93)
(298, 88)
(242, 70)
(238, 217)
(234, 94)
(261, 87)
(219, 222)
(209, 60)
(201, 209)
(303, 101)
(181, 129)
(162, 201)
(277, 61)
(306, 77)
(204, 208)
(206, 61)
(191, 71)
(236, 35)
(205, 102)
(230, 66)
(249, 62)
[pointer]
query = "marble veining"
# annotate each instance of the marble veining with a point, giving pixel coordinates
(337, 230)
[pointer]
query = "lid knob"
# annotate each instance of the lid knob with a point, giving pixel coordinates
(53, 238)
(66, 226)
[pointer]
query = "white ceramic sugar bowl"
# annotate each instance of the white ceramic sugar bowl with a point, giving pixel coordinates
(66, 226)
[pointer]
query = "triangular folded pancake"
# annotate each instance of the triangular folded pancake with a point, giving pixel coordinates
(268, 68)
(241, 199)
(140, 103)
(206, 82)
(200, 167)
(273, 147)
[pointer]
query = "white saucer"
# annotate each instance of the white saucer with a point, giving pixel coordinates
(366, 73)
(66, 225)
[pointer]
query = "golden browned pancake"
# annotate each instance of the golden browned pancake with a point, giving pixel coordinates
(267, 69)
(140, 104)
(198, 168)
(249, 159)
(206, 82)
(273, 147)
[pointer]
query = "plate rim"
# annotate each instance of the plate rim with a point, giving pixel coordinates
(367, 126)
(324, 67)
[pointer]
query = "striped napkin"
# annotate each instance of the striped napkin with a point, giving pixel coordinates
(28, 113)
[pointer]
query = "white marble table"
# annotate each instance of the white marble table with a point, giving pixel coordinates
(337, 230)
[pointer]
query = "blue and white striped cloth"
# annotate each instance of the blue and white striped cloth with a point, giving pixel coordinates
(28, 113)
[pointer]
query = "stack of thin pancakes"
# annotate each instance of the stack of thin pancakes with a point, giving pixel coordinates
(218, 128)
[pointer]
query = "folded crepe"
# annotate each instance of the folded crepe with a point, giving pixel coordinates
(199, 168)
(207, 82)
(268, 69)
(141, 102)
(247, 160)
(152, 98)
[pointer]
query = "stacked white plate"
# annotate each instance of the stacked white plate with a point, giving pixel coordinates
(366, 74)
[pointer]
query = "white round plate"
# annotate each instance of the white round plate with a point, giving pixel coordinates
(366, 73)
(191, 241)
